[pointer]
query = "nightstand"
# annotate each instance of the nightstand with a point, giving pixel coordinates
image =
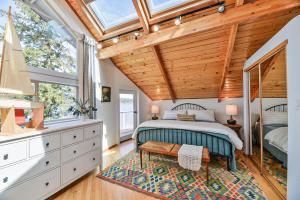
(235, 127)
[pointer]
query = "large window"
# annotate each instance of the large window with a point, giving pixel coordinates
(50, 53)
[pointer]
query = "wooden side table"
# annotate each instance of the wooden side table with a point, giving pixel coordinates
(235, 127)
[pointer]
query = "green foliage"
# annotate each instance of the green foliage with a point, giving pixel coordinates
(82, 108)
(43, 47)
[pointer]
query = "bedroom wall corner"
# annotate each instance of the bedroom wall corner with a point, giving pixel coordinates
(108, 75)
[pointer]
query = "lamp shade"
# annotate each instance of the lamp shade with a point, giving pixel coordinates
(154, 109)
(231, 110)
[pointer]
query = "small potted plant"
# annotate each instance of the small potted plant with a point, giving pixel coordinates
(82, 109)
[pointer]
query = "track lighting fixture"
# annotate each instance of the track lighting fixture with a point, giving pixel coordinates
(99, 46)
(115, 40)
(177, 21)
(221, 8)
(136, 34)
(156, 28)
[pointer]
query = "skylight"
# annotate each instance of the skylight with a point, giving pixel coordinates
(156, 6)
(114, 12)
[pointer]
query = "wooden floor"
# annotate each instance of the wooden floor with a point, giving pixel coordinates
(91, 188)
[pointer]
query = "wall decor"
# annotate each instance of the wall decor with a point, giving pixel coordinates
(106, 94)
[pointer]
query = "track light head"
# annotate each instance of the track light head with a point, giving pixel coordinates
(115, 40)
(221, 8)
(156, 28)
(177, 21)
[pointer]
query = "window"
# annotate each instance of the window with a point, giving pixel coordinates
(114, 12)
(57, 100)
(45, 42)
(156, 6)
(50, 53)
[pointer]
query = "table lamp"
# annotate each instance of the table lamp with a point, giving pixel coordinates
(231, 110)
(154, 111)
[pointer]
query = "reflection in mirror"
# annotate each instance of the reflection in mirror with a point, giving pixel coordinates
(269, 120)
(275, 119)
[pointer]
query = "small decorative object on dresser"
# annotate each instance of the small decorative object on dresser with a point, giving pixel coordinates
(155, 111)
(82, 108)
(235, 127)
(231, 110)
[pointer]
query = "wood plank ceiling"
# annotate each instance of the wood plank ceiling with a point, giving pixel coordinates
(207, 64)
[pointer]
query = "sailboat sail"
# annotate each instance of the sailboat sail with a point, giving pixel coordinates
(14, 76)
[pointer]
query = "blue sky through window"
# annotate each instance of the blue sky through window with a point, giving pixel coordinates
(114, 12)
(156, 6)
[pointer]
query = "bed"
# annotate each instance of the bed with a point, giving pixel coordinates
(273, 128)
(219, 139)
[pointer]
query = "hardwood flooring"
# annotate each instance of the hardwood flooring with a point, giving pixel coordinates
(91, 188)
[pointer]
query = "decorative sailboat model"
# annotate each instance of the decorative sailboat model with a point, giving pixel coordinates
(14, 80)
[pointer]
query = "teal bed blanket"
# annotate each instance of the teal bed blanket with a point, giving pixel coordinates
(217, 144)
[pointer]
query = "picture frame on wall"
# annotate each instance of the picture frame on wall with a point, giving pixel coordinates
(106, 94)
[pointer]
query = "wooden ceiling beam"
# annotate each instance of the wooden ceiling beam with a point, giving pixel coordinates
(142, 15)
(159, 63)
(235, 15)
(86, 18)
(231, 42)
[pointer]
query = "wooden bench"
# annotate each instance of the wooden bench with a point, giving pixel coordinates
(170, 150)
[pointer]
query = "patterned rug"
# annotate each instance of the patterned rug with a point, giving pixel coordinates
(273, 166)
(163, 178)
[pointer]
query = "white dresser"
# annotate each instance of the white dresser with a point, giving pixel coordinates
(36, 165)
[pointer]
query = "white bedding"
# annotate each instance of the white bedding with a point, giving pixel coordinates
(193, 126)
(278, 138)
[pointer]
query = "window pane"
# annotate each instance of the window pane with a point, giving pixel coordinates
(156, 6)
(57, 99)
(114, 12)
(45, 42)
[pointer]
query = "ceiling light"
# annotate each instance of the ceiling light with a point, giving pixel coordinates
(221, 8)
(115, 40)
(99, 45)
(136, 34)
(156, 28)
(177, 21)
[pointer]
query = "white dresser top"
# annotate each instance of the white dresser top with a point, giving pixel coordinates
(50, 129)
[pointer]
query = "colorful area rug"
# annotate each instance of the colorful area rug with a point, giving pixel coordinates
(273, 166)
(163, 178)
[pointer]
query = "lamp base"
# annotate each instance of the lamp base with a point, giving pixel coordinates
(231, 121)
(154, 118)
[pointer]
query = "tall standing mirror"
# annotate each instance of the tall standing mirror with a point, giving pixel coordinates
(269, 119)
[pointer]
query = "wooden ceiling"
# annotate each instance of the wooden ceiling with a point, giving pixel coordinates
(198, 62)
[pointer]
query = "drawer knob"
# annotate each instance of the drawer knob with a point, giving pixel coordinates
(5, 179)
(47, 163)
(47, 183)
(94, 159)
(47, 144)
(94, 131)
(74, 169)
(74, 151)
(5, 157)
(74, 136)
(94, 144)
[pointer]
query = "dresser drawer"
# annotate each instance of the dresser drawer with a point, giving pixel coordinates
(44, 144)
(13, 152)
(24, 170)
(35, 188)
(74, 151)
(78, 167)
(71, 137)
(92, 131)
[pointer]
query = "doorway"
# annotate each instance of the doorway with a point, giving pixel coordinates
(128, 113)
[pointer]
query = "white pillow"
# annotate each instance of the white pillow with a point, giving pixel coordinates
(172, 114)
(203, 115)
(270, 117)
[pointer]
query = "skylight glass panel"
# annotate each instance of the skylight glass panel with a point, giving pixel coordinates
(156, 6)
(114, 12)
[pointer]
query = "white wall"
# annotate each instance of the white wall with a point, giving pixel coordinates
(109, 75)
(290, 32)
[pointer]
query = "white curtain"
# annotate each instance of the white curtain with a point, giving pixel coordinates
(86, 71)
